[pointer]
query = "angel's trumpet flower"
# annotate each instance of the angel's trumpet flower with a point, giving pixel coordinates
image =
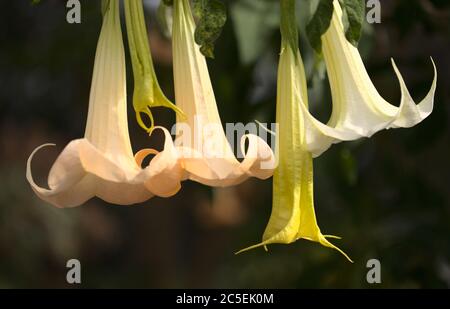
(202, 146)
(293, 216)
(358, 109)
(102, 163)
(147, 92)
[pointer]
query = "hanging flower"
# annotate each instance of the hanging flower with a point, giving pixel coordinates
(293, 216)
(102, 163)
(147, 92)
(203, 149)
(358, 109)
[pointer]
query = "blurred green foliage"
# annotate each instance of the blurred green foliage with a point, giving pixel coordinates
(388, 196)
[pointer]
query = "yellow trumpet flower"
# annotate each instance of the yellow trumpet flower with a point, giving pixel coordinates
(293, 216)
(102, 163)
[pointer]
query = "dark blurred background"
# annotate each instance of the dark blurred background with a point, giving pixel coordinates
(388, 196)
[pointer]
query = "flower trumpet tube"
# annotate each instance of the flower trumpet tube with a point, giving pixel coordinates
(357, 105)
(293, 216)
(206, 153)
(102, 163)
(147, 92)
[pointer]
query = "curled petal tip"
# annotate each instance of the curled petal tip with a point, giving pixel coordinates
(251, 247)
(141, 122)
(326, 243)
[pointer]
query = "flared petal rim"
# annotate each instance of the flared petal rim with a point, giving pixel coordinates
(358, 109)
(320, 136)
(259, 161)
(81, 172)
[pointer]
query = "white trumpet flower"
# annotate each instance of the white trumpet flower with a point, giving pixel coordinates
(102, 163)
(203, 149)
(358, 109)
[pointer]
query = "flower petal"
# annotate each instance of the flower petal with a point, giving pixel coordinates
(62, 195)
(293, 216)
(222, 171)
(409, 114)
(81, 172)
(357, 105)
(358, 109)
(163, 175)
(259, 160)
(319, 137)
(206, 154)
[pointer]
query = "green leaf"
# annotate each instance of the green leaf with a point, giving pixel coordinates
(198, 7)
(211, 16)
(207, 50)
(167, 2)
(319, 24)
(288, 24)
(254, 22)
(354, 12)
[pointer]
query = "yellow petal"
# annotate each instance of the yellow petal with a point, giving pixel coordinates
(147, 92)
(293, 216)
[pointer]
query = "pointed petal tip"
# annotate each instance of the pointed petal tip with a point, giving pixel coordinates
(323, 241)
(409, 113)
(434, 67)
(397, 71)
(252, 247)
(332, 236)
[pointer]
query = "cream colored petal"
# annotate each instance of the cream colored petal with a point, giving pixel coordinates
(357, 105)
(121, 193)
(409, 114)
(81, 172)
(193, 89)
(62, 195)
(206, 155)
(259, 160)
(163, 175)
(358, 109)
(107, 121)
(102, 164)
(91, 160)
(214, 172)
(319, 136)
